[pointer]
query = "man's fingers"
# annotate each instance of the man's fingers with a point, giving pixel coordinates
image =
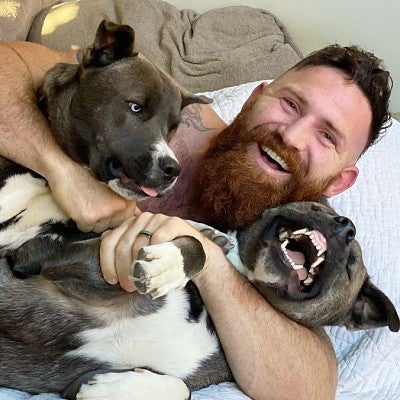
(120, 246)
(171, 228)
(107, 257)
(116, 256)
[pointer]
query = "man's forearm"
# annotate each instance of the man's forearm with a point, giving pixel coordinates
(24, 133)
(271, 356)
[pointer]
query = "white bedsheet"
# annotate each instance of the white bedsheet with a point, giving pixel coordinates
(369, 361)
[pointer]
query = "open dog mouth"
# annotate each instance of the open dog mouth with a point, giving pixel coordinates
(304, 251)
(272, 157)
(128, 185)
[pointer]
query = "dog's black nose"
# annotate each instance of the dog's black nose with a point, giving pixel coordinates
(170, 167)
(346, 228)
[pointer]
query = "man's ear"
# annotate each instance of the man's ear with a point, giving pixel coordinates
(372, 309)
(343, 181)
(112, 42)
(254, 94)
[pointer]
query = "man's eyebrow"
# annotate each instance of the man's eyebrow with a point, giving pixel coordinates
(302, 99)
(334, 128)
(297, 93)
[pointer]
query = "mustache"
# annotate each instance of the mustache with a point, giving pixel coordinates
(274, 142)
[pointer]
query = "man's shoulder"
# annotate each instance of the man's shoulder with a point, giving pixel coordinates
(199, 123)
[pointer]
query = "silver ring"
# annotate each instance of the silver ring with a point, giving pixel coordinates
(145, 233)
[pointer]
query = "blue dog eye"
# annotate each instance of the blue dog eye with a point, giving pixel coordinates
(135, 107)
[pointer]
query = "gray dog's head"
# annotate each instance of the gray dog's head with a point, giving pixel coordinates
(116, 112)
(303, 258)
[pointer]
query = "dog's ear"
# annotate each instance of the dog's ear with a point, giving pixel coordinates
(190, 98)
(372, 309)
(112, 42)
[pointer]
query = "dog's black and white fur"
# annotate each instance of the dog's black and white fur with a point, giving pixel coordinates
(64, 329)
(74, 328)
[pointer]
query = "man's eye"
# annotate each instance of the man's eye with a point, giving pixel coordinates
(291, 104)
(328, 137)
(135, 107)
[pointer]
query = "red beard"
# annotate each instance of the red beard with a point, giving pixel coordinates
(233, 188)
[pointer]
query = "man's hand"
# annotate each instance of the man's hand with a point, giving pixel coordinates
(119, 248)
(90, 203)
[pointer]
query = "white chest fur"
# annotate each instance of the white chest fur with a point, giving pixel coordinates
(29, 201)
(165, 341)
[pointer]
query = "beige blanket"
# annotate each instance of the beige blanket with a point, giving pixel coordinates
(219, 48)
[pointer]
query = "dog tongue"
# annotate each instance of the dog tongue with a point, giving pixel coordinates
(151, 192)
(299, 259)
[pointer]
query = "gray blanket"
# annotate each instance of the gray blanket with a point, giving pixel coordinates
(222, 47)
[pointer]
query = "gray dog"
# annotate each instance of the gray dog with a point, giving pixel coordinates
(114, 112)
(67, 330)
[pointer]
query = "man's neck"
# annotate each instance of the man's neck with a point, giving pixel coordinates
(199, 125)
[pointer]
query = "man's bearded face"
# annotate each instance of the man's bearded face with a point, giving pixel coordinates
(234, 187)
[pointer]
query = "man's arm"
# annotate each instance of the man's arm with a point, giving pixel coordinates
(271, 356)
(25, 138)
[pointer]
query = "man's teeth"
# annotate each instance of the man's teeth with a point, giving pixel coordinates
(278, 159)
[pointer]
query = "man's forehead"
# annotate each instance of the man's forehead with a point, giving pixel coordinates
(339, 100)
(310, 74)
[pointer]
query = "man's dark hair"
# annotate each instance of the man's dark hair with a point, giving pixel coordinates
(367, 72)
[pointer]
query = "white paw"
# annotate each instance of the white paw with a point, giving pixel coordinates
(159, 269)
(139, 384)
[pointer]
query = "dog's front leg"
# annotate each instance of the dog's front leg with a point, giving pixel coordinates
(139, 384)
(168, 266)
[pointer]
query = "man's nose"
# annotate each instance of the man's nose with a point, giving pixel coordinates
(296, 134)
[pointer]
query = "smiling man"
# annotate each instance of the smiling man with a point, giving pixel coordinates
(297, 138)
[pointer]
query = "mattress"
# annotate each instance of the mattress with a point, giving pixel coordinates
(369, 361)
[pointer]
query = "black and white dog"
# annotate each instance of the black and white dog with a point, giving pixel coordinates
(114, 112)
(64, 329)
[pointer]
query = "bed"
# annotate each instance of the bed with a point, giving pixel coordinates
(225, 64)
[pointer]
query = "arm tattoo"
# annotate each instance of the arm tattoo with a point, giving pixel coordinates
(192, 117)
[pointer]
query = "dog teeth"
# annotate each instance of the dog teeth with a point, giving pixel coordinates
(297, 266)
(318, 241)
(309, 280)
(318, 261)
(283, 235)
(300, 232)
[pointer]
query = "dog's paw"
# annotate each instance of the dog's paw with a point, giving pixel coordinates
(159, 269)
(222, 239)
(139, 384)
